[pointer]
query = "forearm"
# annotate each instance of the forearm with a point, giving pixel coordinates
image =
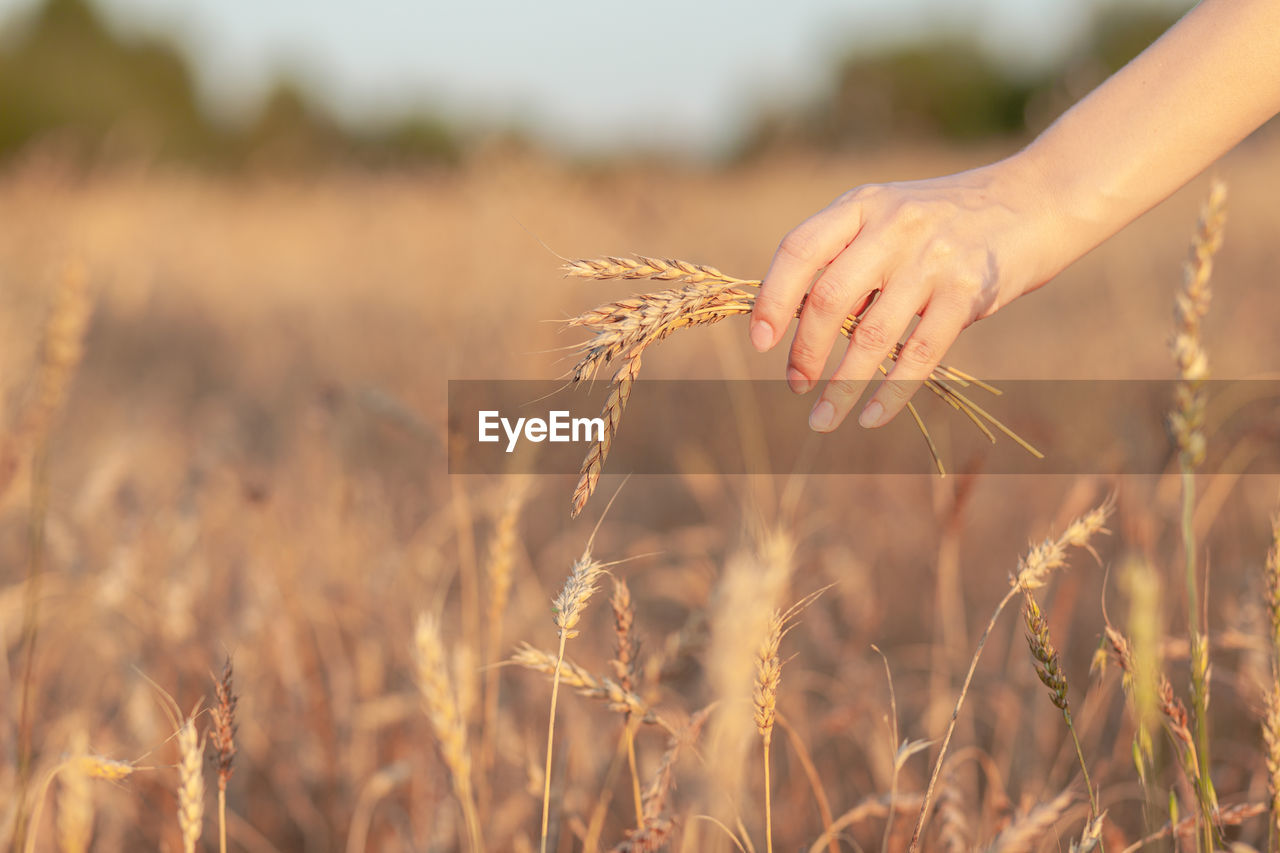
(1192, 95)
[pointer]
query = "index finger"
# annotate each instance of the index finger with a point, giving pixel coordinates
(808, 248)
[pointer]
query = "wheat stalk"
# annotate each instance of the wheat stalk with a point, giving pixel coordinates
(1186, 423)
(1173, 713)
(223, 735)
(1090, 836)
(1032, 572)
(585, 682)
(77, 824)
(1049, 669)
(954, 833)
(498, 571)
(1271, 713)
(60, 355)
(1229, 816)
(768, 677)
(624, 669)
(654, 829)
(566, 611)
(75, 800)
(441, 703)
(1022, 835)
(622, 330)
(765, 696)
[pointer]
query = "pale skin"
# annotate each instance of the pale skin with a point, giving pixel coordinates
(956, 249)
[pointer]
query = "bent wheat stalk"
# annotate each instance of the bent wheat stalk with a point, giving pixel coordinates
(622, 330)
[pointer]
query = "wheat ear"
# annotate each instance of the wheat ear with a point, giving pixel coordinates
(440, 699)
(190, 784)
(654, 829)
(1022, 835)
(81, 766)
(765, 696)
(1049, 668)
(1187, 425)
(223, 735)
(622, 330)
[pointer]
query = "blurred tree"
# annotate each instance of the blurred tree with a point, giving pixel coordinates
(948, 88)
(67, 73)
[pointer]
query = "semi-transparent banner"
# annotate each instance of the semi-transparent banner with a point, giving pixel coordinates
(752, 427)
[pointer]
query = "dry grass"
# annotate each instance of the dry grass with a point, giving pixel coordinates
(250, 458)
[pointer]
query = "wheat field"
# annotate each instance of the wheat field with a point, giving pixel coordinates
(223, 411)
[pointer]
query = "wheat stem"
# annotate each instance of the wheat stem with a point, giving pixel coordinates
(551, 731)
(637, 800)
(768, 797)
(1032, 572)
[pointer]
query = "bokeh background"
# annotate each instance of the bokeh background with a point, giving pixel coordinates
(297, 221)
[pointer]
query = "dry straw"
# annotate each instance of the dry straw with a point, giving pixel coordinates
(622, 330)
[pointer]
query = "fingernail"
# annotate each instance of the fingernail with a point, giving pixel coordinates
(870, 416)
(797, 381)
(822, 417)
(761, 335)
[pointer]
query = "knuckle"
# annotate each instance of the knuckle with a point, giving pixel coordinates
(940, 250)
(895, 392)
(803, 355)
(827, 296)
(910, 212)
(843, 392)
(870, 336)
(921, 352)
(862, 193)
(800, 246)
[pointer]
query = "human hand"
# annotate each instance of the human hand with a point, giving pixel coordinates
(952, 249)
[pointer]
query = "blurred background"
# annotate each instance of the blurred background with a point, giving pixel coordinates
(230, 84)
(295, 221)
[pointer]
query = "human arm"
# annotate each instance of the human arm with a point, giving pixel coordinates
(958, 248)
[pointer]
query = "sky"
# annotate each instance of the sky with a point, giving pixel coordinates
(588, 75)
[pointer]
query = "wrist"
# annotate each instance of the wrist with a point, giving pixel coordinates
(1052, 227)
